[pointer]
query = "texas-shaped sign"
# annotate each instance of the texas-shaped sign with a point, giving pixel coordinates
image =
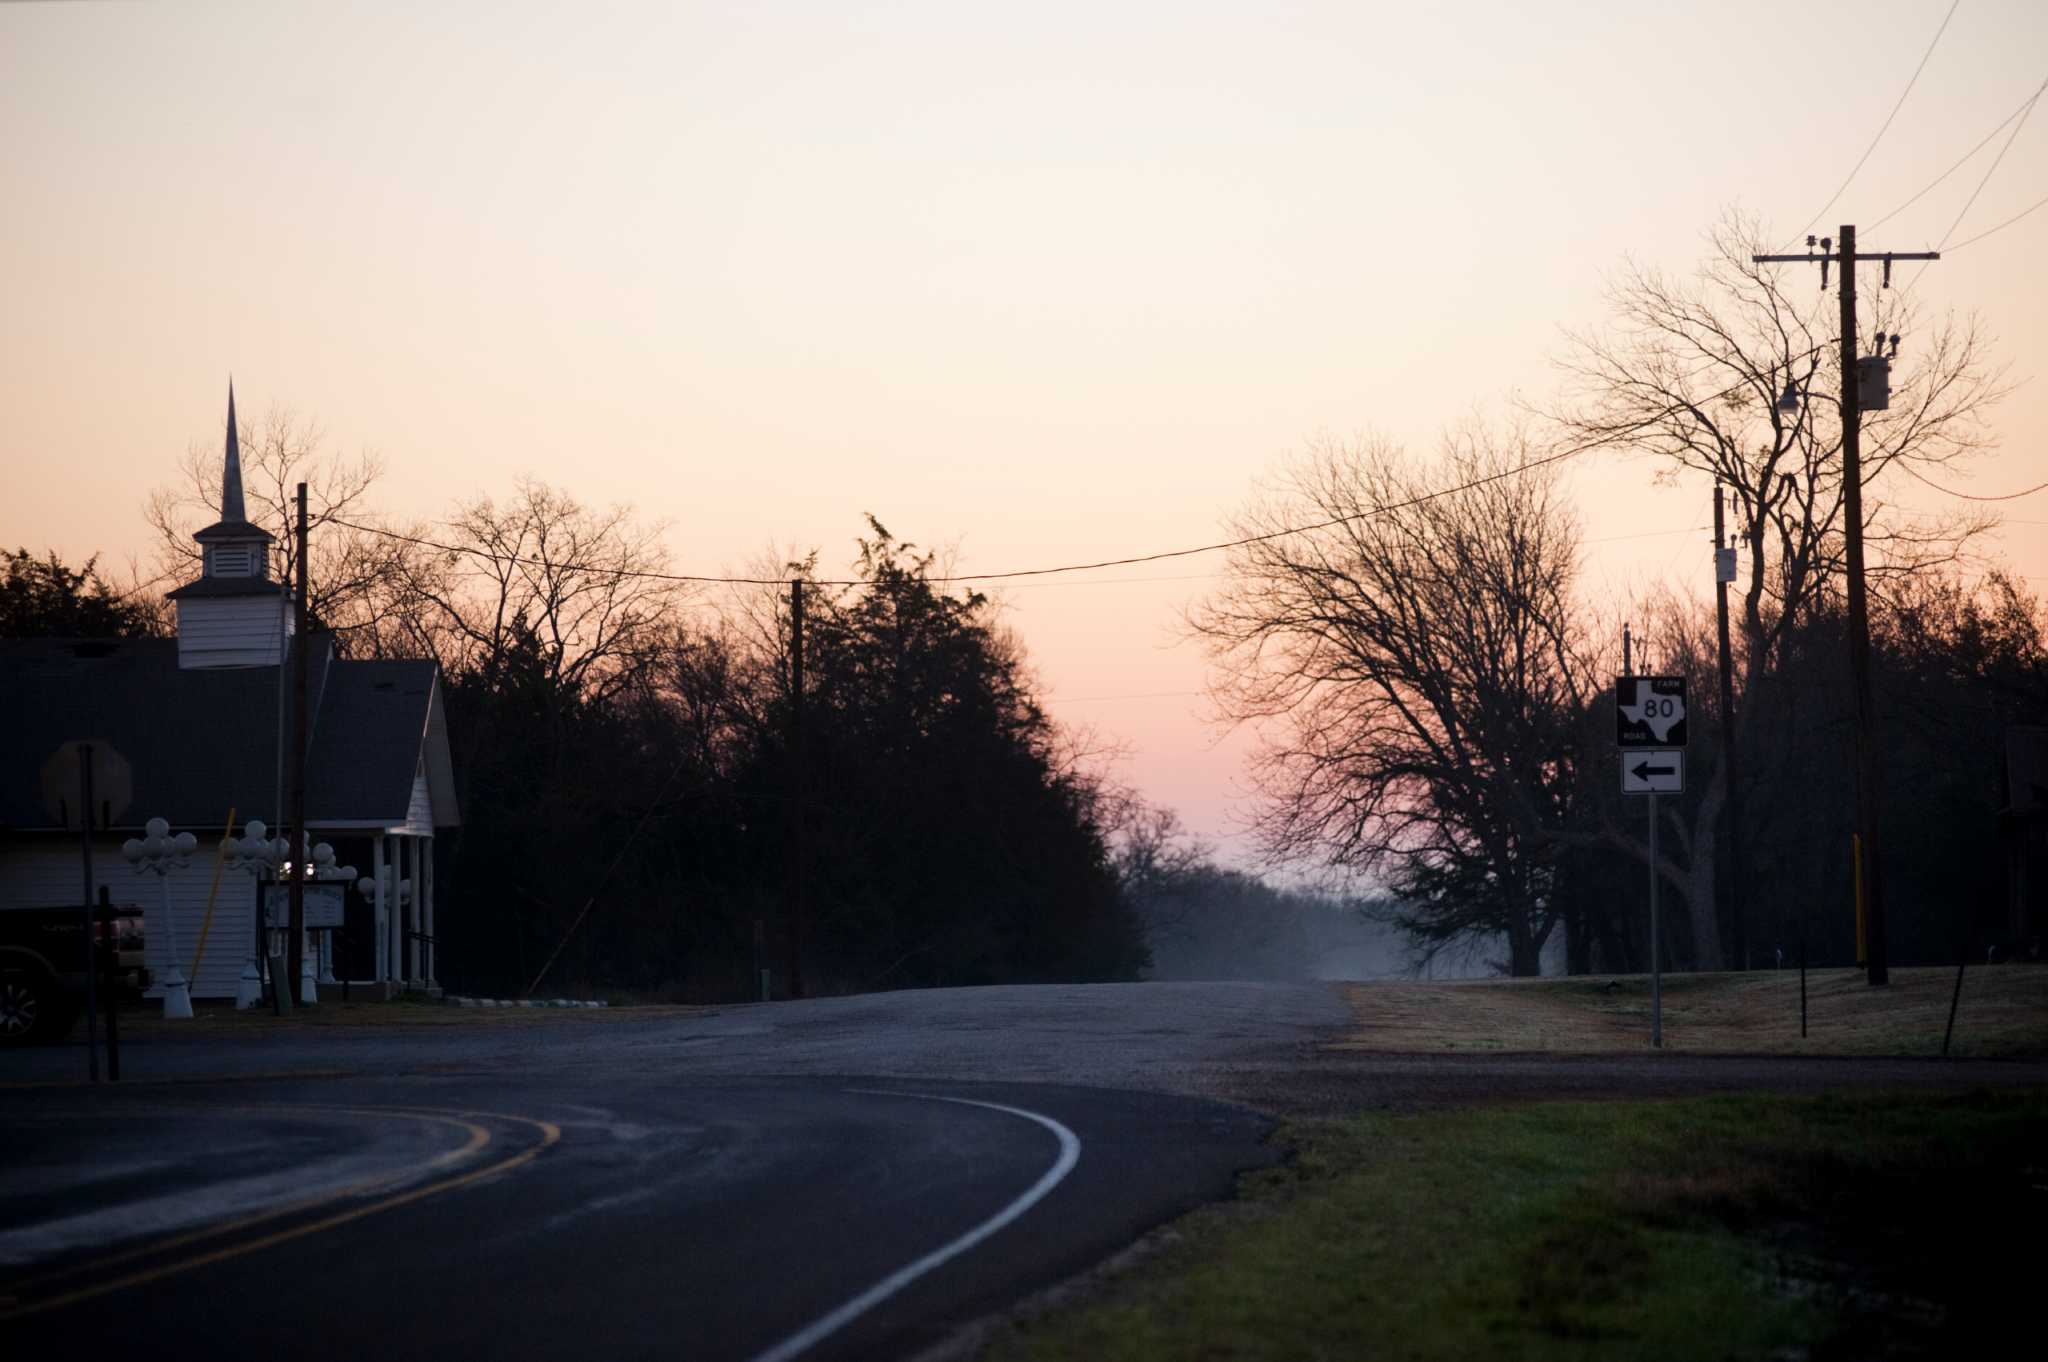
(1649, 711)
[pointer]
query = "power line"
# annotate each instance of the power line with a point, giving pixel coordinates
(1963, 160)
(1529, 466)
(1971, 496)
(1999, 228)
(1334, 521)
(2025, 113)
(1913, 80)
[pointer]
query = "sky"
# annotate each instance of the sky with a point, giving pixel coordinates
(1043, 283)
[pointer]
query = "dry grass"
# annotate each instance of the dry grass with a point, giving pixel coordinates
(2004, 1013)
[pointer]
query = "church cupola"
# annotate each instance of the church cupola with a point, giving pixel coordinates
(234, 615)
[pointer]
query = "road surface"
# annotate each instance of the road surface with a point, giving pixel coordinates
(839, 1178)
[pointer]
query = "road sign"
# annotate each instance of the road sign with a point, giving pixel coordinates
(1649, 711)
(323, 906)
(113, 784)
(1653, 770)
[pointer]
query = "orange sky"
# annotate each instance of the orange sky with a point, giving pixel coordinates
(1048, 282)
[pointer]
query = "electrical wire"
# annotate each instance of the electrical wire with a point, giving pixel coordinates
(1913, 80)
(1966, 157)
(2025, 113)
(2038, 203)
(1530, 466)
(1972, 496)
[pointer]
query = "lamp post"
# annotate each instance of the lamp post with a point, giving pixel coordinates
(321, 868)
(158, 853)
(254, 850)
(397, 893)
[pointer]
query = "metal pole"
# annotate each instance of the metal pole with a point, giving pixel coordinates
(92, 1008)
(295, 934)
(796, 788)
(106, 911)
(1802, 974)
(1728, 753)
(1656, 955)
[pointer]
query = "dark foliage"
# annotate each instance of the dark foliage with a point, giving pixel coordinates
(648, 824)
(44, 598)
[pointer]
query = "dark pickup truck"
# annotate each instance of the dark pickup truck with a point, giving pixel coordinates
(43, 963)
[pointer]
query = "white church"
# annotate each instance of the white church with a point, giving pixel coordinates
(193, 727)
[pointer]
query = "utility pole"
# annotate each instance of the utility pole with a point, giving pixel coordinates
(1721, 579)
(795, 887)
(1867, 793)
(92, 939)
(295, 942)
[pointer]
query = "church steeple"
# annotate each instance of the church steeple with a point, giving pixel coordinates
(233, 546)
(231, 474)
(234, 615)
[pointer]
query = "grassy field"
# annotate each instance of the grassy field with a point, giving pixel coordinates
(1750, 1227)
(2004, 1013)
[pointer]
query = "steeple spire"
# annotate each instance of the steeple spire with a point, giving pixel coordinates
(231, 508)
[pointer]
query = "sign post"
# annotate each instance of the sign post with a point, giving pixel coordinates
(1649, 728)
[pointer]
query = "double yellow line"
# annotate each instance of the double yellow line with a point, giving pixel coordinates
(13, 1306)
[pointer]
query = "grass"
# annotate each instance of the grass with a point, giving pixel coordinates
(2004, 1013)
(1715, 1228)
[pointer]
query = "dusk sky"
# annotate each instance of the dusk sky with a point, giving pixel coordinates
(1046, 283)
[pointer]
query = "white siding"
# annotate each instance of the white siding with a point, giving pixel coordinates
(49, 877)
(419, 810)
(229, 631)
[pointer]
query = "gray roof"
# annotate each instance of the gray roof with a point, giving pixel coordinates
(201, 741)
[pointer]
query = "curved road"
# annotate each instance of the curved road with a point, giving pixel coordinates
(852, 1177)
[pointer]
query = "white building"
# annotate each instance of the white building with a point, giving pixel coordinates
(192, 727)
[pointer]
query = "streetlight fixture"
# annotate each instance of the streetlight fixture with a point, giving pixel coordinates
(258, 851)
(397, 894)
(158, 853)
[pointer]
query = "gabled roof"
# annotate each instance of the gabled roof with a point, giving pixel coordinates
(202, 740)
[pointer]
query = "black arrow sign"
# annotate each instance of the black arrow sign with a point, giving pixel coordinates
(1644, 771)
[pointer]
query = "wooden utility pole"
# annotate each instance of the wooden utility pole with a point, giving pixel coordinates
(1867, 792)
(295, 942)
(1734, 806)
(92, 940)
(794, 889)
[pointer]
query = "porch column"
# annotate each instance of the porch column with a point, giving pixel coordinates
(394, 927)
(377, 970)
(412, 915)
(428, 910)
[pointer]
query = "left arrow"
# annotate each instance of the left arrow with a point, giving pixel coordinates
(1644, 771)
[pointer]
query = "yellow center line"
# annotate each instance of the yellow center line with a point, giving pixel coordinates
(551, 1134)
(478, 1138)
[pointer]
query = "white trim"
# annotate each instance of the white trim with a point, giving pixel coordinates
(816, 1332)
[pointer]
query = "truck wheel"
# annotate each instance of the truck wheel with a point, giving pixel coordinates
(29, 1007)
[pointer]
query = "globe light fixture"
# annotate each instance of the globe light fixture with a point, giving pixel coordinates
(158, 853)
(254, 850)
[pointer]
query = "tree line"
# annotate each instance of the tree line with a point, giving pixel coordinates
(1430, 677)
(1435, 688)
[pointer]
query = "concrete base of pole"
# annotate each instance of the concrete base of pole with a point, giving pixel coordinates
(177, 996)
(249, 991)
(309, 982)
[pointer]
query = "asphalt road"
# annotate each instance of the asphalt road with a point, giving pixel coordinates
(841, 1178)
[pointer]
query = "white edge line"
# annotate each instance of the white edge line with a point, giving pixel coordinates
(825, 1326)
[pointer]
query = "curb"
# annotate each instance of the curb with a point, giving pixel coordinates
(460, 1001)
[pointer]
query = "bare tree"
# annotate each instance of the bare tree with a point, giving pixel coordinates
(356, 577)
(1411, 667)
(584, 588)
(1690, 374)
